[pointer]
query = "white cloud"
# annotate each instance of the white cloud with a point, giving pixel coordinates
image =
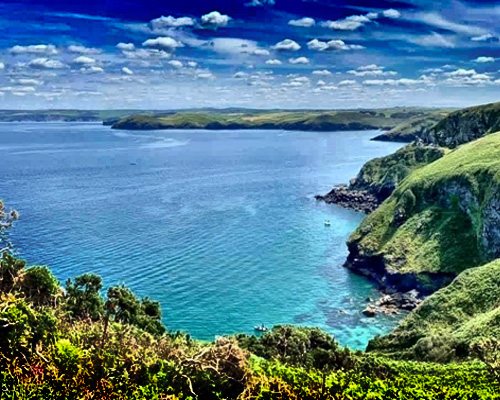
(323, 72)
(347, 82)
(305, 22)
(462, 72)
(84, 61)
(391, 82)
(240, 75)
(144, 54)
(371, 70)
(391, 13)
(91, 70)
(215, 20)
(192, 64)
(170, 22)
(45, 63)
(83, 50)
(233, 46)
(438, 21)
(466, 77)
(273, 61)
(485, 38)
(125, 46)
(484, 60)
(286, 45)
(335, 44)
(127, 71)
(260, 3)
(433, 40)
(261, 52)
(176, 64)
(48, 49)
(28, 82)
(298, 60)
(350, 23)
(303, 79)
(205, 75)
(165, 43)
(2, 66)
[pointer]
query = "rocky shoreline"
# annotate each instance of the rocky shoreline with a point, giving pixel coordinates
(359, 200)
(393, 303)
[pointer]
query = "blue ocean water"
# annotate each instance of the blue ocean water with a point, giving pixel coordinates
(221, 227)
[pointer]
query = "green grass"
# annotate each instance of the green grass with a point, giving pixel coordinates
(288, 120)
(434, 221)
(382, 175)
(465, 312)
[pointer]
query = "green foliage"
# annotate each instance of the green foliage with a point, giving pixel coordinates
(83, 299)
(39, 285)
(9, 272)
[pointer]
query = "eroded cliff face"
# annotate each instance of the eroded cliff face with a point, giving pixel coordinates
(465, 126)
(424, 235)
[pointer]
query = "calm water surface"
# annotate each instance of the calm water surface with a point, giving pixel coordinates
(220, 227)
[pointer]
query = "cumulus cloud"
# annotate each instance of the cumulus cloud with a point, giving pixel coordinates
(391, 13)
(176, 64)
(484, 60)
(84, 61)
(45, 63)
(214, 20)
(350, 23)
(466, 77)
(273, 61)
(165, 43)
(192, 64)
(335, 44)
(83, 50)
(305, 22)
(127, 71)
(391, 82)
(347, 82)
(489, 38)
(286, 45)
(323, 72)
(261, 52)
(205, 75)
(240, 75)
(298, 60)
(2, 66)
(125, 46)
(371, 70)
(170, 22)
(47, 49)
(91, 70)
(27, 82)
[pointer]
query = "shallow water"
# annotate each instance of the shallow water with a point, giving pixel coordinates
(220, 227)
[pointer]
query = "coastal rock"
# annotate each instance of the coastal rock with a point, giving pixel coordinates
(369, 311)
(343, 196)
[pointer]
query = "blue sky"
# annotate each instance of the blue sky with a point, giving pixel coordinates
(248, 53)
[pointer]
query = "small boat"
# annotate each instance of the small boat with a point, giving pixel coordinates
(328, 223)
(133, 163)
(261, 328)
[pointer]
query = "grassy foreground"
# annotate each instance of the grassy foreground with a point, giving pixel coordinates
(73, 343)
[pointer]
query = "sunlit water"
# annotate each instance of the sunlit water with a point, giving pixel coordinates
(221, 227)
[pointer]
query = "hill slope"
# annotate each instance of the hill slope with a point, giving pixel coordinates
(465, 125)
(451, 319)
(287, 120)
(440, 221)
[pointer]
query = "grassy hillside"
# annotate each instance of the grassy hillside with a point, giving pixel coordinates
(452, 319)
(465, 125)
(382, 175)
(296, 120)
(440, 221)
(414, 128)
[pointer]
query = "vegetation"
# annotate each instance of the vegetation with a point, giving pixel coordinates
(382, 175)
(75, 344)
(440, 221)
(288, 120)
(414, 128)
(465, 125)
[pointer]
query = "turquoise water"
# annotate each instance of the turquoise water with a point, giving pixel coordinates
(220, 227)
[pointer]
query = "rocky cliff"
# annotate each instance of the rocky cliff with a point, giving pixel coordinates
(444, 218)
(465, 126)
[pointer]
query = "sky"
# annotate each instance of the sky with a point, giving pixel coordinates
(266, 54)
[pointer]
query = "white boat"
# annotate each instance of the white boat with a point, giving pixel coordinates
(261, 328)
(328, 223)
